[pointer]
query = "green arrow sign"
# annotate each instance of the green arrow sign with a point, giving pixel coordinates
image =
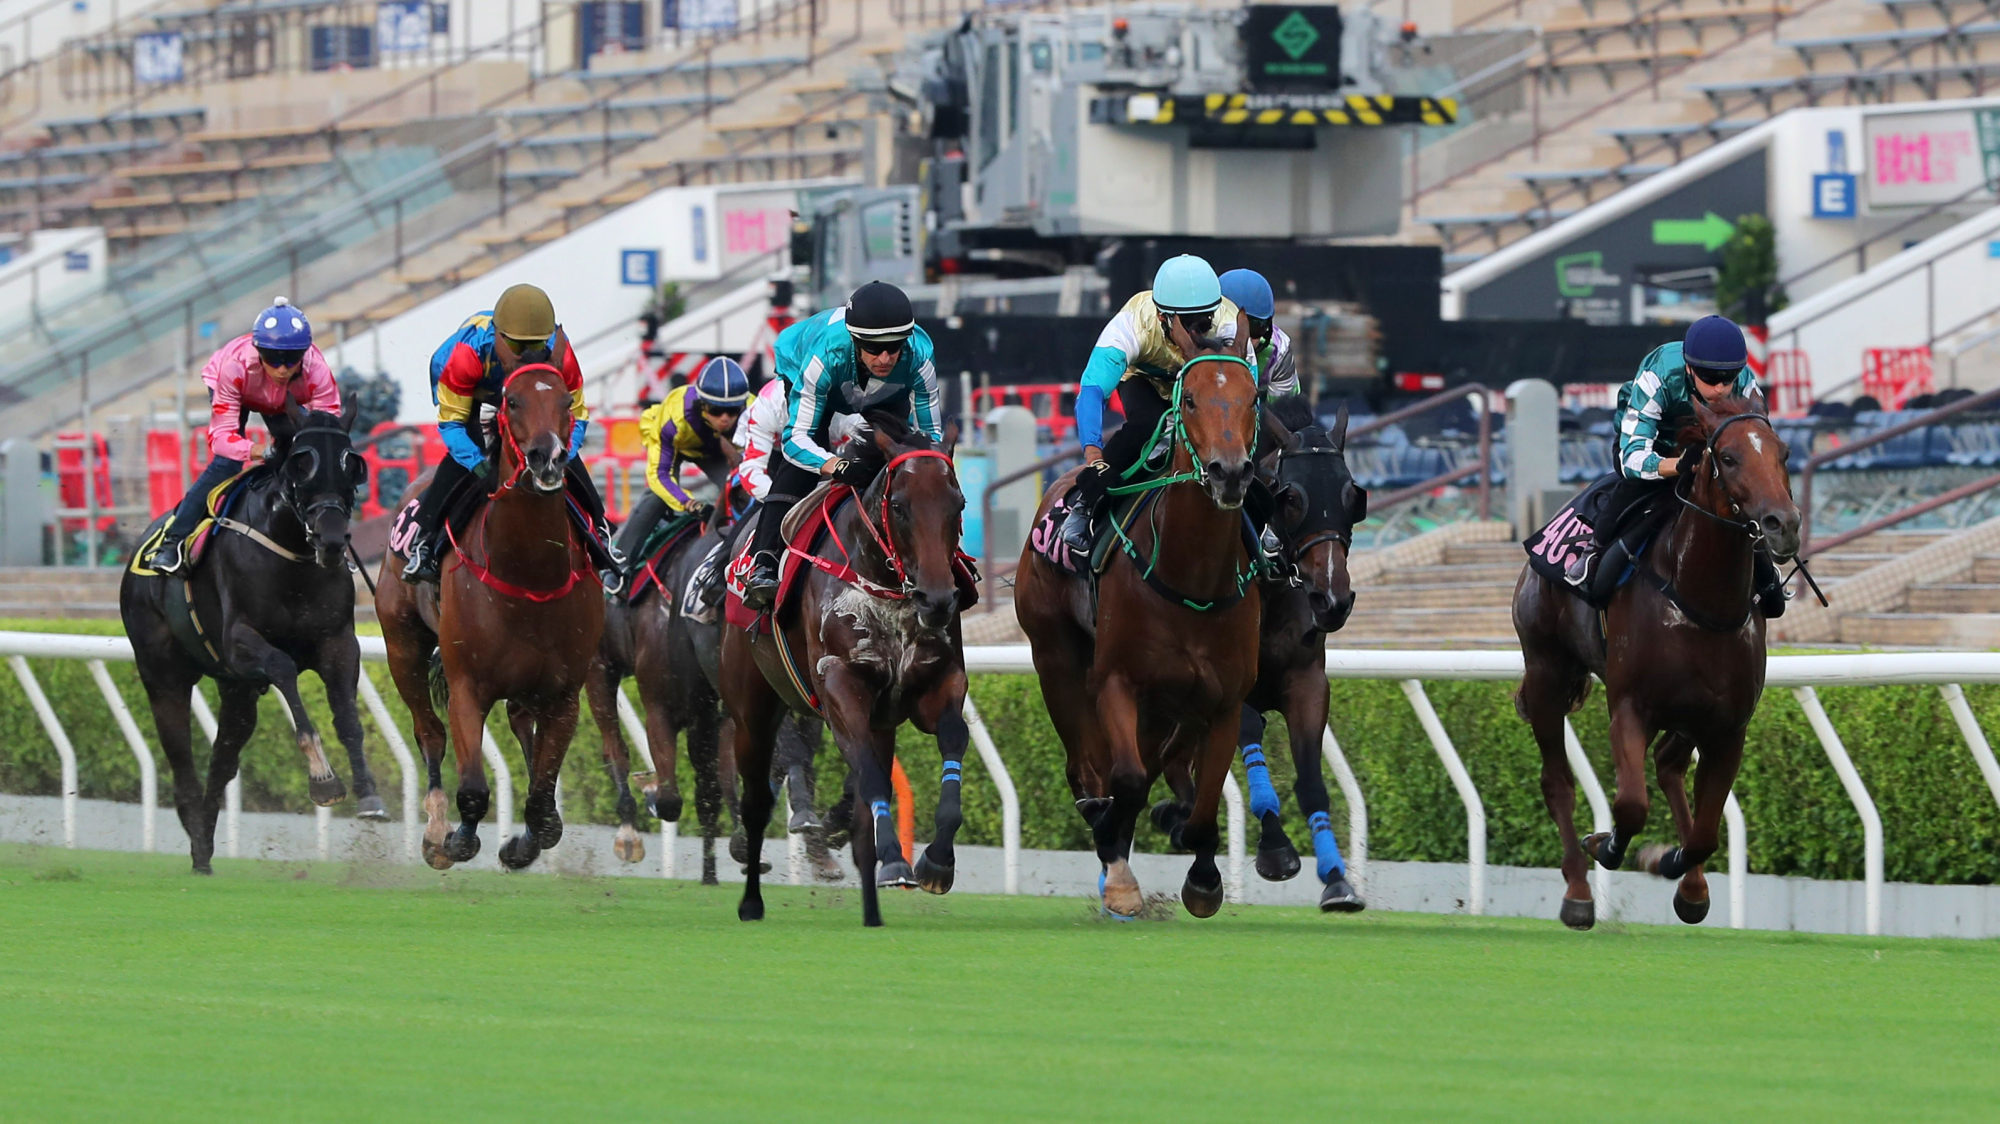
(1709, 232)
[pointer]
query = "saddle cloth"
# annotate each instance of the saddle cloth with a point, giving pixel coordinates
(458, 513)
(1573, 530)
(663, 539)
(221, 501)
(802, 531)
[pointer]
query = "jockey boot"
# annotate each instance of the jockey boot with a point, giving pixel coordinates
(1076, 529)
(760, 589)
(708, 577)
(1768, 586)
(170, 557)
(1606, 570)
(422, 568)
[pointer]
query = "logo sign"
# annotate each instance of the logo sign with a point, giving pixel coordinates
(1581, 275)
(1916, 159)
(77, 261)
(639, 267)
(157, 57)
(403, 26)
(1833, 196)
(1292, 47)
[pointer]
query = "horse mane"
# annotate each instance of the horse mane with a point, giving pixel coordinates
(1295, 413)
(896, 428)
(1729, 405)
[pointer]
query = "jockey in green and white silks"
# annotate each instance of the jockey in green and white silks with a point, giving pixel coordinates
(1712, 362)
(874, 337)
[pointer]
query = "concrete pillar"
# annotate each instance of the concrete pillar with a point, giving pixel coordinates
(21, 508)
(1010, 435)
(1532, 447)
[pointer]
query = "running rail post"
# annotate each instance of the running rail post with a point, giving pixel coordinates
(322, 815)
(1357, 809)
(232, 811)
(1975, 738)
(1871, 821)
(635, 735)
(1475, 816)
(1600, 808)
(1010, 801)
(1739, 864)
(1232, 800)
(58, 736)
(392, 735)
(149, 778)
(503, 782)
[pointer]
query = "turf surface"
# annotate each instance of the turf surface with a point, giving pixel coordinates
(311, 991)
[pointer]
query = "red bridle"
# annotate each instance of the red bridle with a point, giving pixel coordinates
(507, 429)
(884, 538)
(484, 572)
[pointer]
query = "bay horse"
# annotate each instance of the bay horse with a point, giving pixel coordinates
(1159, 658)
(275, 590)
(517, 617)
(1680, 650)
(874, 642)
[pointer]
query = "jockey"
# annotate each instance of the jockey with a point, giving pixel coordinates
(467, 372)
(688, 426)
(275, 363)
(873, 337)
(1135, 357)
(1712, 361)
(1271, 348)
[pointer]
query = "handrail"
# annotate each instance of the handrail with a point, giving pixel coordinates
(1484, 466)
(989, 571)
(1922, 421)
(1860, 246)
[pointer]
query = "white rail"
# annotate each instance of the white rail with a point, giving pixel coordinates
(1800, 674)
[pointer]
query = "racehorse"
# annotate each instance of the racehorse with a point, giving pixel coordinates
(1158, 659)
(1680, 650)
(873, 643)
(517, 618)
(1317, 505)
(278, 598)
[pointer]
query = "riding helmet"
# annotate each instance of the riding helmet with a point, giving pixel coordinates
(879, 311)
(1247, 290)
(721, 383)
(1186, 284)
(1715, 343)
(281, 328)
(524, 313)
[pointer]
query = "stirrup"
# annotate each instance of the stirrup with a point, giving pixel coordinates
(422, 566)
(612, 580)
(1579, 571)
(169, 558)
(760, 587)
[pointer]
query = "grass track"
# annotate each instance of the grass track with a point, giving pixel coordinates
(131, 989)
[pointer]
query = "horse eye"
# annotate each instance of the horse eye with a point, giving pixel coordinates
(1729, 460)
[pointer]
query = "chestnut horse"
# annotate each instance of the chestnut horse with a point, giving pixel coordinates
(1144, 675)
(1680, 651)
(872, 647)
(517, 618)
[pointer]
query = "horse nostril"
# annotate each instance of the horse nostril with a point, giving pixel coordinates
(1215, 469)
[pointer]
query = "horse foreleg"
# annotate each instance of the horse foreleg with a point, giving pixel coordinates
(757, 710)
(1671, 757)
(1712, 781)
(1629, 739)
(1201, 893)
(1277, 859)
(1127, 782)
(553, 727)
(943, 712)
(663, 796)
(468, 728)
(410, 647)
(1305, 724)
(1543, 700)
(339, 667)
(235, 721)
(250, 651)
(600, 686)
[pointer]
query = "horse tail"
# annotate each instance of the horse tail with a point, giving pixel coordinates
(440, 686)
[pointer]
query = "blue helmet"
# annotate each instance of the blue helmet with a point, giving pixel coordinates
(1715, 343)
(721, 383)
(1247, 290)
(1186, 284)
(281, 328)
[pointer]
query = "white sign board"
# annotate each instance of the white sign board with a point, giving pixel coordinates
(403, 26)
(1917, 159)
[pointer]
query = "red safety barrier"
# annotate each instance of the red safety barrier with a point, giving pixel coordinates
(1894, 375)
(1053, 404)
(1788, 392)
(70, 489)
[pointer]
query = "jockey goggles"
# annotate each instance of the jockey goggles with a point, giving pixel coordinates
(878, 347)
(1713, 377)
(272, 357)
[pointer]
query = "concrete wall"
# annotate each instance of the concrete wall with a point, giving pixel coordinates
(52, 267)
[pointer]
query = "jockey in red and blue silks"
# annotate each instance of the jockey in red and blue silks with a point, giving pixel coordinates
(467, 372)
(274, 364)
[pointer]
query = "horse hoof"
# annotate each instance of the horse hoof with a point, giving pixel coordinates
(828, 870)
(327, 791)
(1579, 915)
(1339, 897)
(1693, 913)
(204, 868)
(1201, 901)
(750, 909)
(461, 847)
(434, 855)
(1598, 847)
(518, 852)
(1170, 818)
(1120, 895)
(666, 808)
(895, 874)
(628, 846)
(739, 848)
(802, 822)
(370, 807)
(1281, 864)
(934, 878)
(548, 833)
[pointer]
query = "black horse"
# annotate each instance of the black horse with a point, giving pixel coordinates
(272, 597)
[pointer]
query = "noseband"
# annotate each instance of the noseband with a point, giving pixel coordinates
(885, 537)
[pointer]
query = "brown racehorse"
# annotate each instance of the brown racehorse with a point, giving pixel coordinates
(1141, 677)
(874, 648)
(1680, 651)
(517, 619)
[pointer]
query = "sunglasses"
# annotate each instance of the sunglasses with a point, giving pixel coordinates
(883, 347)
(721, 413)
(522, 347)
(281, 358)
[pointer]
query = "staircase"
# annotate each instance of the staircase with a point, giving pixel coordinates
(1959, 608)
(48, 593)
(1463, 601)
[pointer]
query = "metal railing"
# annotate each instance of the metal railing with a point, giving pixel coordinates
(1482, 467)
(990, 567)
(1988, 400)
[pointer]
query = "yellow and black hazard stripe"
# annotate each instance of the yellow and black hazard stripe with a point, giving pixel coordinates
(1273, 110)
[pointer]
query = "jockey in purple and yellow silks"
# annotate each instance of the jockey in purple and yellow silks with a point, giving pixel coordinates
(467, 372)
(689, 426)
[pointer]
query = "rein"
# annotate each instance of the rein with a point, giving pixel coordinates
(884, 538)
(484, 571)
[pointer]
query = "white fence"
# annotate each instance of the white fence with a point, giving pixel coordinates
(1800, 674)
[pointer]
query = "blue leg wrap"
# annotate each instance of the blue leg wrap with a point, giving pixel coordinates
(1325, 848)
(1263, 797)
(951, 770)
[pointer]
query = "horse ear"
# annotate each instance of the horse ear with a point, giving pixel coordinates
(349, 410)
(883, 442)
(1183, 342)
(1242, 350)
(1708, 417)
(1757, 402)
(1339, 430)
(950, 436)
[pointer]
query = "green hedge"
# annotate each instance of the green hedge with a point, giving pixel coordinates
(1940, 822)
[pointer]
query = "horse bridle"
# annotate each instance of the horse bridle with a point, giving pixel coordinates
(1294, 552)
(1750, 528)
(507, 430)
(342, 500)
(886, 537)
